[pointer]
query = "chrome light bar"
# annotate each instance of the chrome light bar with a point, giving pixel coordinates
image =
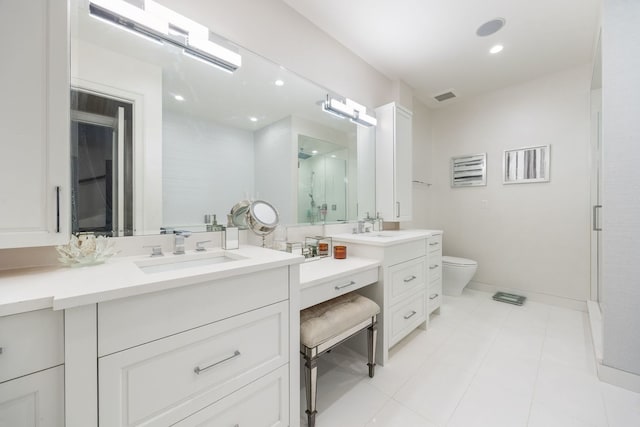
(162, 25)
(349, 110)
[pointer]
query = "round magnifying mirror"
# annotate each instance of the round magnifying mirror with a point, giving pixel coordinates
(262, 217)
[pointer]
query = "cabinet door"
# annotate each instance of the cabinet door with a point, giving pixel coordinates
(34, 145)
(35, 400)
(393, 163)
(403, 165)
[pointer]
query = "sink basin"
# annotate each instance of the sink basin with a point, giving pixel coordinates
(387, 234)
(179, 262)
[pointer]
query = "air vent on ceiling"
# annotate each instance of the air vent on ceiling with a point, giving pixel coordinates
(445, 96)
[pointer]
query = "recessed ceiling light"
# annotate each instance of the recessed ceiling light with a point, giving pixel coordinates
(497, 48)
(279, 82)
(178, 97)
(333, 156)
(253, 119)
(314, 151)
(490, 27)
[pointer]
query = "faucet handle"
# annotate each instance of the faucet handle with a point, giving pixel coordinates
(156, 250)
(200, 245)
(183, 233)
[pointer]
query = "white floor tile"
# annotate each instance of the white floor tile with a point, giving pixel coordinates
(544, 416)
(435, 391)
(571, 392)
(393, 414)
(491, 405)
(622, 406)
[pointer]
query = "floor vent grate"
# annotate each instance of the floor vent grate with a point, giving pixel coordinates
(509, 298)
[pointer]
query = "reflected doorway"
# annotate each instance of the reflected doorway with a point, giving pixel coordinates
(101, 165)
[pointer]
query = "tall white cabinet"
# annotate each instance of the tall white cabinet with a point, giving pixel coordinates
(34, 143)
(393, 162)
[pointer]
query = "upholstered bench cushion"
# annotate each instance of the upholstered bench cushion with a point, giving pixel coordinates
(330, 318)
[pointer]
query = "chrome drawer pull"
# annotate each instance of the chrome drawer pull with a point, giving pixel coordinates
(351, 283)
(434, 296)
(198, 369)
(434, 244)
(434, 266)
(409, 279)
(410, 315)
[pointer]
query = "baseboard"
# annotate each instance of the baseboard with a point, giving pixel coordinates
(619, 378)
(533, 296)
(595, 321)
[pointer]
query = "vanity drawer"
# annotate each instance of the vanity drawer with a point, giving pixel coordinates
(30, 342)
(263, 403)
(325, 291)
(129, 322)
(434, 243)
(163, 382)
(434, 296)
(403, 252)
(435, 268)
(406, 316)
(406, 279)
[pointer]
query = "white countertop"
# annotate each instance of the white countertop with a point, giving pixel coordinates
(63, 287)
(317, 271)
(384, 238)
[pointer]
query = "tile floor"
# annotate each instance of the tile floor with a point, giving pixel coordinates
(480, 363)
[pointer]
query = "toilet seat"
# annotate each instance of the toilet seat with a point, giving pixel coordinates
(458, 262)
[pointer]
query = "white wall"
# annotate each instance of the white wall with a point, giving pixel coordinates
(529, 237)
(423, 151)
(620, 300)
(196, 154)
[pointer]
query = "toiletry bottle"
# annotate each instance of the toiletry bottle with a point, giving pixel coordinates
(215, 226)
(230, 235)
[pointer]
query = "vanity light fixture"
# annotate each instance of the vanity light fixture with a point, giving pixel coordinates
(350, 110)
(162, 25)
(495, 49)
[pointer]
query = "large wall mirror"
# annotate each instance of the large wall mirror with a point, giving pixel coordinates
(161, 140)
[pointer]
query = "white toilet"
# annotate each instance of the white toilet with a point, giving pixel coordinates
(457, 272)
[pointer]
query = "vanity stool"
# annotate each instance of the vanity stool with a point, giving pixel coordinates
(328, 324)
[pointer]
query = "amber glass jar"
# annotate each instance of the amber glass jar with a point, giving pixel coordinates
(339, 252)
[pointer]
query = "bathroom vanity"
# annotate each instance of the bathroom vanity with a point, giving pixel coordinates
(410, 284)
(126, 344)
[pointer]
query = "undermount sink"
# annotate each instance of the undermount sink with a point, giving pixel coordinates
(386, 234)
(178, 262)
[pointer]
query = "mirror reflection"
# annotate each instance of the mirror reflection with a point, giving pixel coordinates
(163, 141)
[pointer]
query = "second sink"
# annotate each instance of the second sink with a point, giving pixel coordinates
(161, 265)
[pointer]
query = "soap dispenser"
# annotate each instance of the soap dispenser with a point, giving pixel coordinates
(230, 235)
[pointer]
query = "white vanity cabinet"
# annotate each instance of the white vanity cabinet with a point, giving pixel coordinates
(32, 370)
(34, 118)
(197, 355)
(434, 273)
(393, 162)
(402, 287)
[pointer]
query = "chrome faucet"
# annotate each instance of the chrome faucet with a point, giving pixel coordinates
(178, 243)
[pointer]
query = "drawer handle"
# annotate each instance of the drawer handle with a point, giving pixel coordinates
(433, 267)
(409, 279)
(198, 369)
(410, 315)
(434, 296)
(434, 244)
(351, 283)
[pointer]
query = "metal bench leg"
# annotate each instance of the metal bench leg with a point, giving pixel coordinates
(311, 386)
(372, 338)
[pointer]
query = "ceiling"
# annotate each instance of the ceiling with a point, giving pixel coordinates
(432, 45)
